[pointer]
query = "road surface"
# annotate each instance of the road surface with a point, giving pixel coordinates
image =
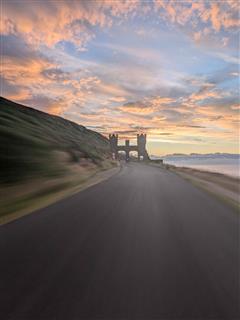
(144, 244)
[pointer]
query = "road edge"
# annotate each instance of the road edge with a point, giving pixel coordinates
(96, 178)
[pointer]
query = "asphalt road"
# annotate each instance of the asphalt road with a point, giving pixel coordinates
(144, 244)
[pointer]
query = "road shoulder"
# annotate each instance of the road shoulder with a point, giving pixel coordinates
(223, 187)
(48, 193)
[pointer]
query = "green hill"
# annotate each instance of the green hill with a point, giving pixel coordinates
(44, 158)
(34, 143)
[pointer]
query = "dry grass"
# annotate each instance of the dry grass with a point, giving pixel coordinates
(221, 186)
(225, 188)
(23, 198)
(44, 158)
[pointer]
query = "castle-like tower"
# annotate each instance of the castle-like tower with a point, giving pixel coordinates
(141, 143)
(140, 147)
(113, 139)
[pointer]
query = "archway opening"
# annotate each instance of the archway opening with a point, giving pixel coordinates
(133, 156)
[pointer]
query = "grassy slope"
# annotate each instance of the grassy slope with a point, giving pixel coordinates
(30, 138)
(43, 157)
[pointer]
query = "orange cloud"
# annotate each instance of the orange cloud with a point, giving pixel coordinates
(117, 99)
(205, 93)
(159, 101)
(222, 16)
(146, 107)
(57, 107)
(135, 109)
(49, 22)
(219, 14)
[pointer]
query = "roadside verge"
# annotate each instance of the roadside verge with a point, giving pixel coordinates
(20, 200)
(223, 187)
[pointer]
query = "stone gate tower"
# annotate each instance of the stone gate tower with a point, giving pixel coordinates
(140, 148)
(113, 139)
(141, 143)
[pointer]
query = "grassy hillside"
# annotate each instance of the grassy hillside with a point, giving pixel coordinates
(44, 158)
(34, 143)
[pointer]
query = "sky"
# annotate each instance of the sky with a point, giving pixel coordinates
(169, 69)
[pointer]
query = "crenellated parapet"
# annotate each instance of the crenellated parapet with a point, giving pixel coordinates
(113, 139)
(141, 140)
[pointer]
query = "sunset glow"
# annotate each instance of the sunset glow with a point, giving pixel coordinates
(166, 68)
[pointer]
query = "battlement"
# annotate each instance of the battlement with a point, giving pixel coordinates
(113, 139)
(113, 136)
(142, 136)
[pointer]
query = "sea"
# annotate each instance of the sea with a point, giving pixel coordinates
(228, 164)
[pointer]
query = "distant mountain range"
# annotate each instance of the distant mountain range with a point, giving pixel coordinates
(179, 156)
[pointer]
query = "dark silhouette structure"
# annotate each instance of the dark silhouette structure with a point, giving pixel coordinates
(140, 148)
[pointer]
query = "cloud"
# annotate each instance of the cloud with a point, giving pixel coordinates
(117, 99)
(148, 106)
(228, 73)
(227, 58)
(56, 74)
(206, 91)
(121, 8)
(20, 59)
(92, 62)
(159, 101)
(39, 102)
(13, 92)
(222, 14)
(134, 52)
(191, 126)
(137, 108)
(30, 77)
(16, 48)
(56, 21)
(49, 22)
